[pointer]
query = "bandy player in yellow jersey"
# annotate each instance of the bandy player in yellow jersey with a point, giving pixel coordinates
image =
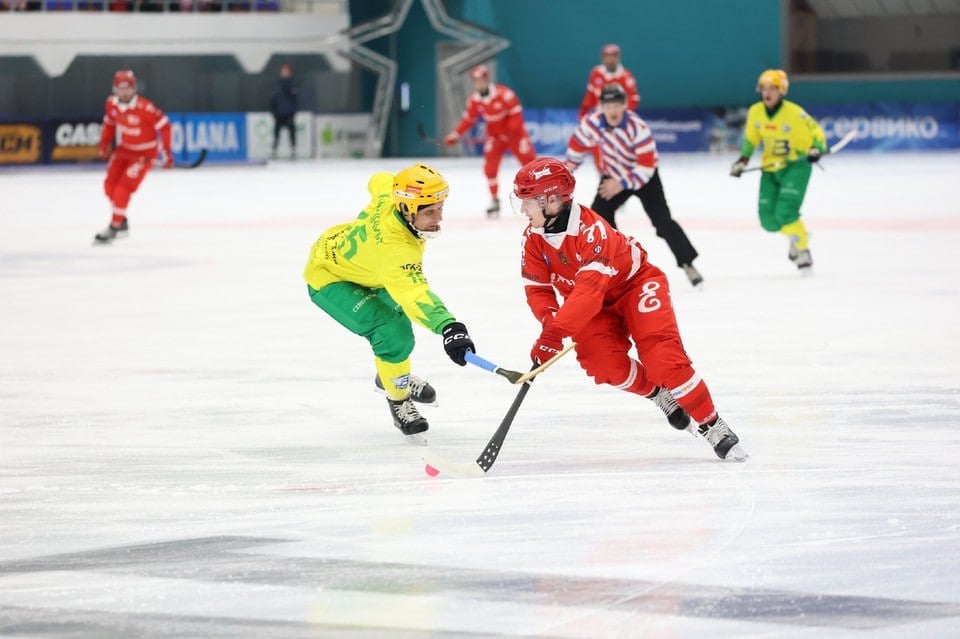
(368, 275)
(792, 141)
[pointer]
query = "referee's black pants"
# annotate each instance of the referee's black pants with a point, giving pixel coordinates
(655, 204)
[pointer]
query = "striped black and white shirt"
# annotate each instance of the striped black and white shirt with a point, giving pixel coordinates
(628, 152)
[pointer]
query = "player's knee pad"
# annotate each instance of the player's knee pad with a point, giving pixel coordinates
(393, 341)
(667, 363)
(120, 196)
(606, 367)
(768, 218)
(770, 225)
(786, 212)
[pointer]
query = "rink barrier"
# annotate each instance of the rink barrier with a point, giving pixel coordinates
(227, 137)
(879, 126)
(248, 137)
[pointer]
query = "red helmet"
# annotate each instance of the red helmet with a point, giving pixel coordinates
(610, 49)
(479, 71)
(124, 78)
(544, 176)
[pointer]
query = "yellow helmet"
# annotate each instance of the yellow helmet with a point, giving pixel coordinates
(775, 77)
(418, 186)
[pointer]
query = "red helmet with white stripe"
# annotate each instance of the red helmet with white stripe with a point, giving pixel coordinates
(544, 177)
(479, 71)
(124, 78)
(610, 49)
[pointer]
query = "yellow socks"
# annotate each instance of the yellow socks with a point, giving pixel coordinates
(797, 234)
(395, 378)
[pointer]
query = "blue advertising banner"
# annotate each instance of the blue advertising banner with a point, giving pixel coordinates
(550, 129)
(686, 130)
(223, 135)
(880, 127)
(890, 126)
(677, 130)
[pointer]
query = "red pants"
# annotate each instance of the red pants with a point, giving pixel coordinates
(493, 149)
(125, 172)
(644, 318)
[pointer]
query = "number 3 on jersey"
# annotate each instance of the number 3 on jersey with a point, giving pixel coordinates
(781, 147)
(648, 298)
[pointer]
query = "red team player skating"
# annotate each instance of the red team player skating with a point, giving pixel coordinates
(140, 123)
(610, 71)
(501, 110)
(613, 300)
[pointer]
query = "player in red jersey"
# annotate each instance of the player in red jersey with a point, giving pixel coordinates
(501, 109)
(613, 300)
(139, 121)
(610, 72)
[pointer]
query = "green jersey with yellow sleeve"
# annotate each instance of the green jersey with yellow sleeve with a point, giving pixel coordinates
(378, 250)
(786, 135)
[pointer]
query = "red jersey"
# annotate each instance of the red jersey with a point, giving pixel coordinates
(599, 78)
(139, 121)
(501, 110)
(589, 263)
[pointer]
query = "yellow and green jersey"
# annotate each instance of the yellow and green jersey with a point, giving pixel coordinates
(786, 135)
(378, 251)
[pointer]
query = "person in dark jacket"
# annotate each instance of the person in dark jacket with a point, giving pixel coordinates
(283, 105)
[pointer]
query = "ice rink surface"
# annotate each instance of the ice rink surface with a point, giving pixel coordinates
(190, 448)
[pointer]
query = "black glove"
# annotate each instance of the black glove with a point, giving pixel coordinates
(813, 155)
(739, 166)
(456, 341)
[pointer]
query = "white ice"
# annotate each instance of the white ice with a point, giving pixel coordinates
(189, 447)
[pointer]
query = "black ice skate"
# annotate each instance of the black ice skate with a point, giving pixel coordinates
(494, 209)
(112, 232)
(665, 401)
(420, 390)
(724, 441)
(693, 275)
(410, 422)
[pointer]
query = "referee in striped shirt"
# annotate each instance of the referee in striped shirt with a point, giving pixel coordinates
(628, 166)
